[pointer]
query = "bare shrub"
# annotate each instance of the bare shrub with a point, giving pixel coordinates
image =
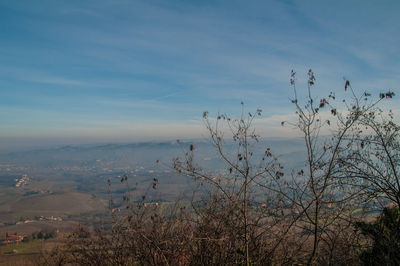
(253, 211)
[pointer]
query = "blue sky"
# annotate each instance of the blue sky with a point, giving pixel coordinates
(139, 70)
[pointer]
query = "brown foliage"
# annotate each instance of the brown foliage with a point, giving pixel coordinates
(253, 212)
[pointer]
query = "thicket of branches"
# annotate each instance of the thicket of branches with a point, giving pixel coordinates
(257, 212)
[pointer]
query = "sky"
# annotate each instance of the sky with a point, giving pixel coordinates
(87, 71)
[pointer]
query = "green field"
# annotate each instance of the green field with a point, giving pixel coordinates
(24, 253)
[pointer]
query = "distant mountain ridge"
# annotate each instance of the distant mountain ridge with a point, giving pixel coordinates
(144, 153)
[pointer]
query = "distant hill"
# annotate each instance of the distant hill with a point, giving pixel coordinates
(143, 153)
(71, 181)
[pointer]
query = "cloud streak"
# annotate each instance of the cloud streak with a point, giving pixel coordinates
(153, 61)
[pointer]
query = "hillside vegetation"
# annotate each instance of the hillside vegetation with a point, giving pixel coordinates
(257, 210)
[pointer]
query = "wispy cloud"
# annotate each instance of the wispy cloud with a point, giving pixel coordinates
(155, 61)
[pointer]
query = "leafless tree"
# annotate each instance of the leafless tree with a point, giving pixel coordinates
(240, 202)
(374, 160)
(317, 193)
(253, 210)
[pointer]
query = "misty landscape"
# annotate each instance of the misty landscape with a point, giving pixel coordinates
(83, 170)
(199, 132)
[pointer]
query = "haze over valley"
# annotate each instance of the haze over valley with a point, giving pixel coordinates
(205, 132)
(70, 182)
